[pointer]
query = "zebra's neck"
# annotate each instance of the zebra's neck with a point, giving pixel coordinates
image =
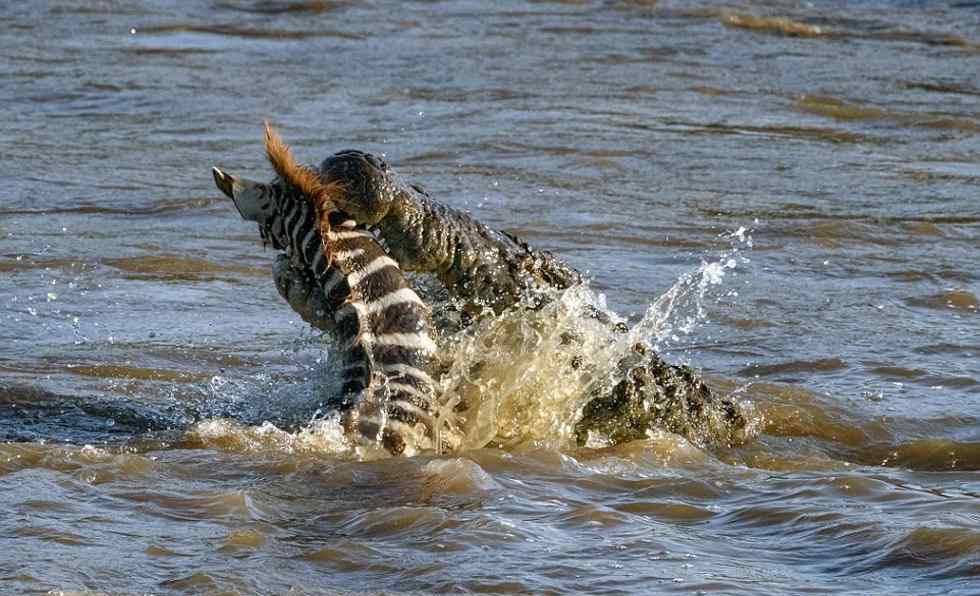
(381, 325)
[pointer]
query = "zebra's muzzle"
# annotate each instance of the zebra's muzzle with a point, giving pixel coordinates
(252, 199)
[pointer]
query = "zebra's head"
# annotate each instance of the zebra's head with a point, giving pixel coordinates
(256, 202)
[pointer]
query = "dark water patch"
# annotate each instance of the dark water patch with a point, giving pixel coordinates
(869, 220)
(214, 357)
(271, 7)
(923, 171)
(641, 56)
(107, 8)
(898, 372)
(640, 90)
(116, 371)
(249, 33)
(958, 300)
(349, 556)
(199, 581)
(940, 552)
(429, 157)
(462, 95)
(929, 38)
(610, 240)
(176, 52)
(52, 535)
(934, 87)
(797, 366)
(825, 434)
(774, 131)
(838, 109)
(832, 234)
(911, 276)
(742, 324)
(923, 455)
(20, 263)
(176, 267)
(791, 411)
(29, 414)
(667, 511)
(924, 229)
(713, 91)
(160, 207)
(838, 28)
(967, 350)
(112, 87)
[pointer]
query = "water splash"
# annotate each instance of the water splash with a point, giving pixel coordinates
(323, 436)
(525, 375)
(680, 311)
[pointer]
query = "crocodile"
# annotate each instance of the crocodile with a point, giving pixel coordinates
(490, 271)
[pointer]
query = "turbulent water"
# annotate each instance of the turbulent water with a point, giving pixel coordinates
(783, 195)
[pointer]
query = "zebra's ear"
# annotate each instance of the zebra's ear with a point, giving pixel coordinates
(253, 200)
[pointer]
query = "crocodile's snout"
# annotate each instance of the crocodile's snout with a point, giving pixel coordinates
(368, 193)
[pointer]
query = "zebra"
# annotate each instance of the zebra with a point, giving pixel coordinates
(339, 278)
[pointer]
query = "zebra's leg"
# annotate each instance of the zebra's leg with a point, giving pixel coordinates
(655, 395)
(296, 284)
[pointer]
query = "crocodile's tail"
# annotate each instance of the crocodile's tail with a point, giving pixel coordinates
(381, 322)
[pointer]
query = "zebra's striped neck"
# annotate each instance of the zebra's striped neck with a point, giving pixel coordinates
(381, 325)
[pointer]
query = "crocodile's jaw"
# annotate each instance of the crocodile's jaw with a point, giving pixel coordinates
(253, 200)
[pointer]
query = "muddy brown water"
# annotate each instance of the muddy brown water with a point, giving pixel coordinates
(785, 196)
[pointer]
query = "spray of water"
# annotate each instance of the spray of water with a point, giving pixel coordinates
(680, 311)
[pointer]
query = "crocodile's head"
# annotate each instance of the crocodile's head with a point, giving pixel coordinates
(256, 202)
(369, 192)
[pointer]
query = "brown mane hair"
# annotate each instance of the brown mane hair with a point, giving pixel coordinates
(319, 195)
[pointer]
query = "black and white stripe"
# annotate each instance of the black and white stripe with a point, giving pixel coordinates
(383, 325)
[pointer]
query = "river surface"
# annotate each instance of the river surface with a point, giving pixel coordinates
(785, 196)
